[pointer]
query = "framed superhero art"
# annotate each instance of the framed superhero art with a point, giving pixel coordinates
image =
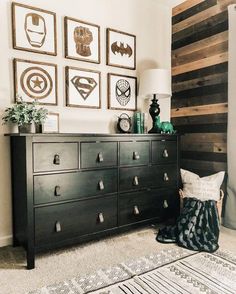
(34, 29)
(121, 49)
(82, 40)
(83, 88)
(35, 81)
(122, 92)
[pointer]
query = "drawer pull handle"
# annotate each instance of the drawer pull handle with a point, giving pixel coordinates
(136, 156)
(58, 227)
(100, 157)
(101, 185)
(166, 178)
(56, 159)
(165, 204)
(57, 191)
(136, 210)
(135, 181)
(100, 218)
(165, 153)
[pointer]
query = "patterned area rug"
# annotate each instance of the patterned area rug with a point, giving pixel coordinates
(174, 271)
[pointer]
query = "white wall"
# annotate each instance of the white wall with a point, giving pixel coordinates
(149, 20)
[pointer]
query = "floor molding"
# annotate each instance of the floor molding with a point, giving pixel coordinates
(6, 241)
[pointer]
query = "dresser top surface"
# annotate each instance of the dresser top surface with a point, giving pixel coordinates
(88, 135)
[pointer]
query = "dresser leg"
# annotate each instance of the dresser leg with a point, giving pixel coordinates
(30, 260)
(15, 242)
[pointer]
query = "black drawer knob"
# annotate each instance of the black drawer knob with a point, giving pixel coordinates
(165, 204)
(101, 185)
(56, 159)
(136, 210)
(165, 153)
(136, 181)
(136, 156)
(57, 191)
(101, 218)
(100, 157)
(58, 227)
(166, 177)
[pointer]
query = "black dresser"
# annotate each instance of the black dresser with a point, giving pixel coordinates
(69, 188)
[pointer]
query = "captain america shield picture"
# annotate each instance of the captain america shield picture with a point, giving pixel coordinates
(82, 88)
(36, 81)
(33, 29)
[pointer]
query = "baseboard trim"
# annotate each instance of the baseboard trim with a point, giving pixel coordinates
(5, 241)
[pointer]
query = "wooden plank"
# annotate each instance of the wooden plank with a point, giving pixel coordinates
(216, 9)
(205, 62)
(204, 147)
(218, 78)
(205, 33)
(184, 6)
(200, 110)
(208, 156)
(213, 20)
(203, 128)
(203, 165)
(206, 71)
(219, 97)
(198, 92)
(200, 54)
(190, 11)
(204, 137)
(219, 118)
(205, 43)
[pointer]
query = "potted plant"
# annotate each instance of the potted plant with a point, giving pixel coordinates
(39, 117)
(21, 113)
(24, 114)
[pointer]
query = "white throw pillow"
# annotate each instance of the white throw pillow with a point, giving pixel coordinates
(206, 188)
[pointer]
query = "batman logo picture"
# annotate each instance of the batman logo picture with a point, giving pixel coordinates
(84, 85)
(122, 49)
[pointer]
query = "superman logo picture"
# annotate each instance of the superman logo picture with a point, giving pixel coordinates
(84, 85)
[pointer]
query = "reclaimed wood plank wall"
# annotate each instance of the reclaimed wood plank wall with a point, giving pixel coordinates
(199, 83)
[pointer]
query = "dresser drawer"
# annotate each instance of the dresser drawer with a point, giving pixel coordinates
(163, 175)
(138, 206)
(134, 178)
(164, 151)
(60, 222)
(144, 205)
(134, 153)
(98, 154)
(59, 187)
(55, 156)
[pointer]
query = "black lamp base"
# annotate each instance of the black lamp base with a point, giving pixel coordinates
(154, 111)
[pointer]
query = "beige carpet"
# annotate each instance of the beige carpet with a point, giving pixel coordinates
(64, 264)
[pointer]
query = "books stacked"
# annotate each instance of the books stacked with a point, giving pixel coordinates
(140, 122)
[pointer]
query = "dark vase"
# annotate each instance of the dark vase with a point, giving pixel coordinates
(25, 128)
(38, 128)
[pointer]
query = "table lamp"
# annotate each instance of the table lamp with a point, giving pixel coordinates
(156, 82)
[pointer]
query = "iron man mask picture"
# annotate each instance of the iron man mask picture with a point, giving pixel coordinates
(35, 29)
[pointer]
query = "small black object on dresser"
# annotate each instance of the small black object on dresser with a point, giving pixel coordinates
(69, 188)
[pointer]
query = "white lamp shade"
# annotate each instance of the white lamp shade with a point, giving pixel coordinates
(155, 81)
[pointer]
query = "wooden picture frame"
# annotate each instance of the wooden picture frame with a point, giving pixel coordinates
(51, 125)
(120, 49)
(83, 87)
(74, 49)
(34, 29)
(35, 80)
(122, 92)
